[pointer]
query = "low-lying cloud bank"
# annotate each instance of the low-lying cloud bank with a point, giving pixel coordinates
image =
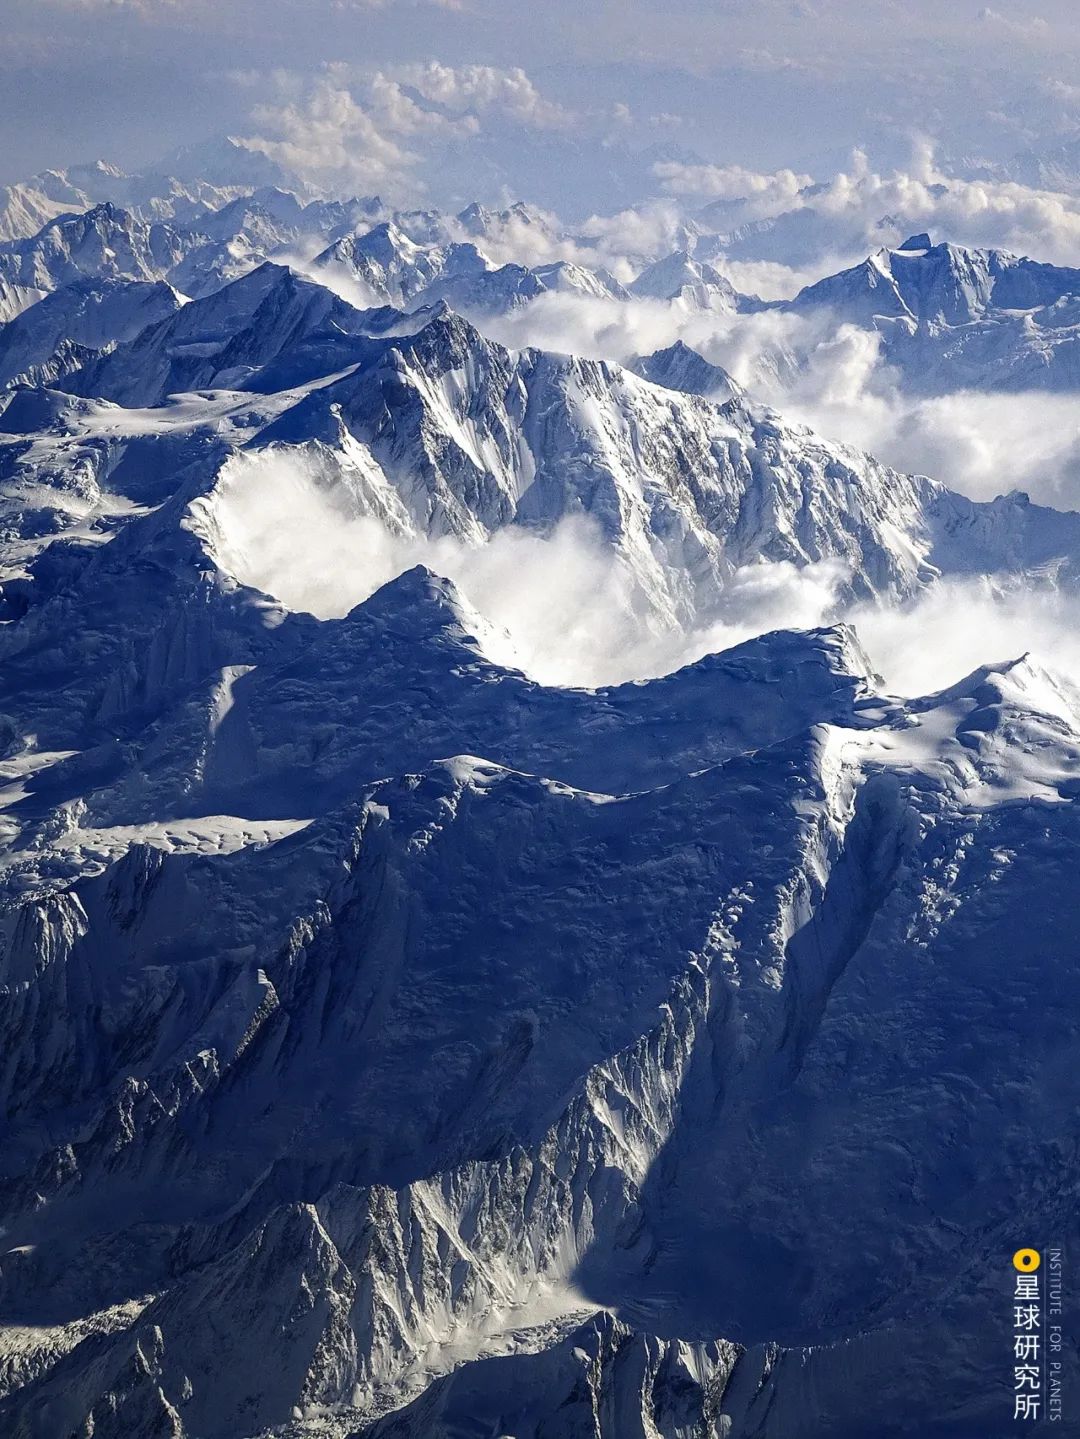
(566, 610)
(564, 607)
(978, 442)
(959, 625)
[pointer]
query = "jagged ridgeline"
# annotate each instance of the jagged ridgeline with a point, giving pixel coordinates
(394, 1045)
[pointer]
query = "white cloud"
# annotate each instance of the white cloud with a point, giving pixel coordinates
(590, 326)
(565, 607)
(1064, 91)
(962, 624)
(483, 89)
(772, 193)
(350, 130)
(771, 280)
(630, 238)
(328, 137)
(852, 206)
(981, 444)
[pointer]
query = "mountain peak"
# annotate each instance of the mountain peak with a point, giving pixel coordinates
(423, 607)
(416, 586)
(679, 274)
(678, 367)
(1021, 681)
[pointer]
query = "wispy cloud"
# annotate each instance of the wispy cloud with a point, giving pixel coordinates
(1031, 27)
(852, 205)
(329, 137)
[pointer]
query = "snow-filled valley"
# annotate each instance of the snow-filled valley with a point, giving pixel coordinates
(536, 891)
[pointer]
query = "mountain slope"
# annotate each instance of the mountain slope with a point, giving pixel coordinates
(681, 277)
(89, 313)
(784, 914)
(680, 368)
(427, 428)
(393, 1045)
(225, 337)
(181, 187)
(105, 242)
(471, 437)
(951, 317)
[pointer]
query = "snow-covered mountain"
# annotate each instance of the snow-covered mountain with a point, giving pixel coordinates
(678, 367)
(104, 242)
(385, 266)
(391, 1129)
(680, 277)
(952, 317)
(395, 1045)
(92, 314)
(181, 187)
(196, 257)
(228, 336)
(412, 260)
(948, 317)
(424, 425)
(941, 285)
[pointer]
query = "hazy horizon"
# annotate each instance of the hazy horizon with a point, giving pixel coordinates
(447, 99)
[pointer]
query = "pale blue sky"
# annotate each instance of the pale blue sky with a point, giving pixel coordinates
(760, 83)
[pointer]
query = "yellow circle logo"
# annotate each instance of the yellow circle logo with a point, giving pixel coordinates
(1027, 1260)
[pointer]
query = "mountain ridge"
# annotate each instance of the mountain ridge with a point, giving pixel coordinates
(392, 1044)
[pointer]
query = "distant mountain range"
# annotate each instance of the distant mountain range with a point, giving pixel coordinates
(948, 317)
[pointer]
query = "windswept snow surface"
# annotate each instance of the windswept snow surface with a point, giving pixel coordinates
(483, 949)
